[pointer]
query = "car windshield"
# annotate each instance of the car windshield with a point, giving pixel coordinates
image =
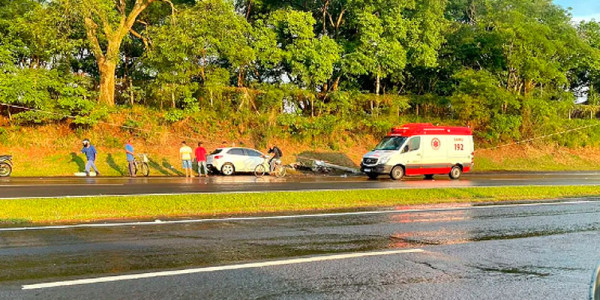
(391, 143)
(217, 151)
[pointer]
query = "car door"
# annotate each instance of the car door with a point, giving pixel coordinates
(236, 157)
(413, 155)
(254, 158)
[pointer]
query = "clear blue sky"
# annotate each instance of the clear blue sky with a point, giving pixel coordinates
(582, 9)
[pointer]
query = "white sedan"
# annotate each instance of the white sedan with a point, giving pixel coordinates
(229, 161)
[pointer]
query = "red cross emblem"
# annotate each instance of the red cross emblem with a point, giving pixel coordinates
(435, 144)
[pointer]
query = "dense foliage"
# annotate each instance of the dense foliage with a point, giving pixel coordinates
(511, 69)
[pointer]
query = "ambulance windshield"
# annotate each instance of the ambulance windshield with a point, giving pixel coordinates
(391, 143)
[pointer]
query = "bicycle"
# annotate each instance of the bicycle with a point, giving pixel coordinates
(141, 165)
(6, 165)
(278, 169)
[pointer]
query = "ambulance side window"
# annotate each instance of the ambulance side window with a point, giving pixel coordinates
(414, 144)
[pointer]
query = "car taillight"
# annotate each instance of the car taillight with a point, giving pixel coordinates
(218, 156)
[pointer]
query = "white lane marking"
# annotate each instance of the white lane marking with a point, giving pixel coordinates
(218, 268)
(283, 217)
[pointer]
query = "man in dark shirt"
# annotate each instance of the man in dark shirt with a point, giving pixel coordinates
(277, 154)
(90, 153)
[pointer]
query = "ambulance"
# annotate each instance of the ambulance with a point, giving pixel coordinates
(421, 150)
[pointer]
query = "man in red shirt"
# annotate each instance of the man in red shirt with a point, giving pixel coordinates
(201, 159)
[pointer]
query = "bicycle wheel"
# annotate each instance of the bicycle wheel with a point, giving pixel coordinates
(260, 171)
(280, 171)
(145, 169)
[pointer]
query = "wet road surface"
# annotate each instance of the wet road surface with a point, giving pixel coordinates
(58, 187)
(539, 251)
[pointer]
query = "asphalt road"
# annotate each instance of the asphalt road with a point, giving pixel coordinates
(58, 187)
(539, 251)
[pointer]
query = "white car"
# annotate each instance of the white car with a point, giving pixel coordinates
(229, 161)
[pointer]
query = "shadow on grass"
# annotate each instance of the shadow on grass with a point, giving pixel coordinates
(336, 158)
(153, 164)
(111, 163)
(78, 161)
(166, 164)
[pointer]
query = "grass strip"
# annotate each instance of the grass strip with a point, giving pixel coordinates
(67, 210)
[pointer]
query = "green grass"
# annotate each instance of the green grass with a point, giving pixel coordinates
(65, 210)
(543, 163)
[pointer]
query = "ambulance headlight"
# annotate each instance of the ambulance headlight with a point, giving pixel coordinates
(384, 160)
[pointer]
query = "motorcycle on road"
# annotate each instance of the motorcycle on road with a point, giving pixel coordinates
(6, 165)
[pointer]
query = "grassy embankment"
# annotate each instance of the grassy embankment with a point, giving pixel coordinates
(44, 211)
(55, 151)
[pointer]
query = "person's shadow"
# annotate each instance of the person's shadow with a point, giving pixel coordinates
(78, 161)
(111, 163)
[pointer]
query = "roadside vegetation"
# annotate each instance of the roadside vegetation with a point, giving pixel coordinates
(323, 77)
(94, 209)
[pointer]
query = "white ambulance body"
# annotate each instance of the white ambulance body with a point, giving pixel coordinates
(421, 150)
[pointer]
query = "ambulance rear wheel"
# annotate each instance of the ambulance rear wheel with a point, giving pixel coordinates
(397, 173)
(372, 175)
(455, 172)
(429, 176)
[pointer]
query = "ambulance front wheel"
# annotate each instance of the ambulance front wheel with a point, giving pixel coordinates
(455, 172)
(397, 173)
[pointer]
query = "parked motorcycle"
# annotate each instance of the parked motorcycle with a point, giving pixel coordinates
(6, 165)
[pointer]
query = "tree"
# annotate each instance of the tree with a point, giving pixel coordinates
(197, 42)
(107, 23)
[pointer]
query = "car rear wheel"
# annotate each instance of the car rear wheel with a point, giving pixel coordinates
(5, 169)
(455, 172)
(397, 173)
(373, 175)
(228, 169)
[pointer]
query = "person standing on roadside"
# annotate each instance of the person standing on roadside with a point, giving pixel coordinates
(201, 159)
(90, 153)
(130, 158)
(186, 158)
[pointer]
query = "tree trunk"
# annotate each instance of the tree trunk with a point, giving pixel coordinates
(377, 84)
(107, 83)
(131, 92)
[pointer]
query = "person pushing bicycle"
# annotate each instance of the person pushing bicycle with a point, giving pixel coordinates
(129, 151)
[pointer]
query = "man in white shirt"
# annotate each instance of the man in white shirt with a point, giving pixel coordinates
(186, 158)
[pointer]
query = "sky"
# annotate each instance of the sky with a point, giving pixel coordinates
(582, 9)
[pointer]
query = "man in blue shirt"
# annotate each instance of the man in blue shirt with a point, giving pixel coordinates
(130, 159)
(90, 153)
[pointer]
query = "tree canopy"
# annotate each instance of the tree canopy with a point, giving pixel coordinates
(498, 65)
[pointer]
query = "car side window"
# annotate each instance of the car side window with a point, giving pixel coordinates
(414, 144)
(253, 153)
(236, 151)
